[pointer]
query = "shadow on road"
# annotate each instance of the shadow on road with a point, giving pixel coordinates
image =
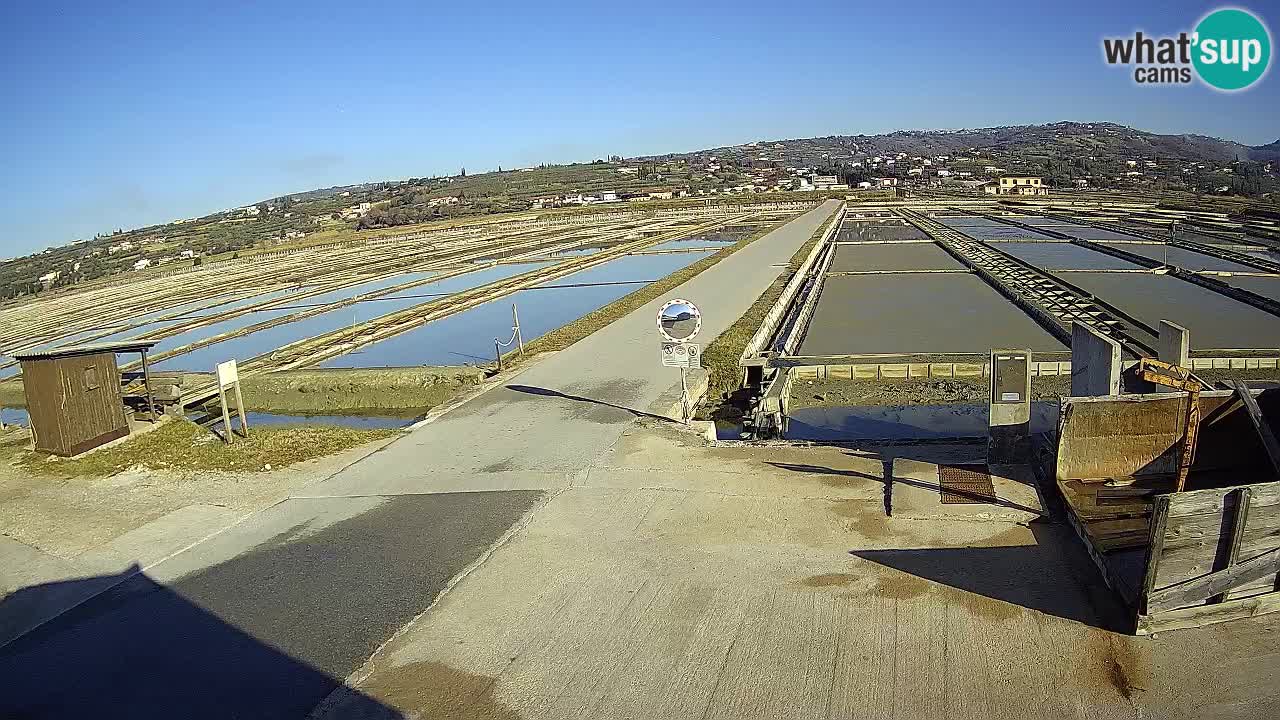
(889, 479)
(545, 392)
(1052, 576)
(268, 632)
(142, 650)
(1048, 577)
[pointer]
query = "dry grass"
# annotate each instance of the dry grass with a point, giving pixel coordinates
(182, 445)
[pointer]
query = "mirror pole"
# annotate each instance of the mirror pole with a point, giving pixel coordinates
(684, 398)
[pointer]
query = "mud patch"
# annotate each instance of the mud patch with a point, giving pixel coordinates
(435, 690)
(829, 580)
(1115, 662)
(505, 466)
(866, 518)
(900, 587)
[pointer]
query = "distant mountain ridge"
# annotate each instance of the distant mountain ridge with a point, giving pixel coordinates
(1102, 139)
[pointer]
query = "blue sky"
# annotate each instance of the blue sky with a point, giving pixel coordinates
(126, 114)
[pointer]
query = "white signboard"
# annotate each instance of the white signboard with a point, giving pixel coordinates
(228, 375)
(681, 355)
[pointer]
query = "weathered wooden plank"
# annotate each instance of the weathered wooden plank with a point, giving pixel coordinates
(1122, 541)
(1155, 548)
(1202, 615)
(1257, 587)
(1186, 563)
(1268, 438)
(1212, 500)
(1195, 545)
(1201, 588)
(1082, 498)
(1239, 518)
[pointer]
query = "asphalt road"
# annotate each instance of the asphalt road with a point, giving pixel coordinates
(268, 617)
(266, 634)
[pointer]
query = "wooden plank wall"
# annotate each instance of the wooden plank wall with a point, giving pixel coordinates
(1199, 530)
(1201, 541)
(67, 416)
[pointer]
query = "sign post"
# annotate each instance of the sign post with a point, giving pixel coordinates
(515, 328)
(229, 378)
(679, 321)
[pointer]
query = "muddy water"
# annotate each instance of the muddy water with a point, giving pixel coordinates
(899, 422)
(897, 256)
(1215, 321)
(1063, 256)
(1084, 232)
(1268, 287)
(925, 313)
(1272, 255)
(1180, 257)
(877, 231)
(984, 229)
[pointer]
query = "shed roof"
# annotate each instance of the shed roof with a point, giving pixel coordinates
(90, 349)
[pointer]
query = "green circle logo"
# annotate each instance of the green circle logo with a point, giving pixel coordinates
(1232, 49)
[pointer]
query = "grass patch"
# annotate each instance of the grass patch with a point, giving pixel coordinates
(725, 400)
(597, 319)
(183, 445)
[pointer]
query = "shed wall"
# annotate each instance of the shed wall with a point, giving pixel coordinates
(74, 402)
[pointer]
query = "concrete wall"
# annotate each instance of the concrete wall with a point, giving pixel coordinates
(1095, 363)
(1174, 345)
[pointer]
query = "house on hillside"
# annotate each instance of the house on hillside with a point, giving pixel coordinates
(1016, 185)
(825, 182)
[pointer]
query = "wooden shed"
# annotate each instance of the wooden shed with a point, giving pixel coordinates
(74, 396)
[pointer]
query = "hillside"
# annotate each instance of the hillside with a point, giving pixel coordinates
(1102, 155)
(1065, 139)
(1265, 153)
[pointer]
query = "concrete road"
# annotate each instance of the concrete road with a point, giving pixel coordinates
(688, 582)
(268, 617)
